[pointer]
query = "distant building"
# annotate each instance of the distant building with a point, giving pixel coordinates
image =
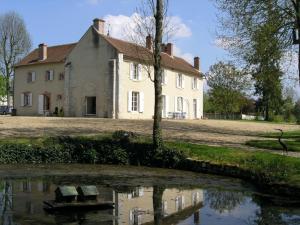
(102, 76)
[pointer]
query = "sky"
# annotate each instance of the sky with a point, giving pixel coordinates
(57, 22)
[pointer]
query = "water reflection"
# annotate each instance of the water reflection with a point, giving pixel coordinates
(21, 204)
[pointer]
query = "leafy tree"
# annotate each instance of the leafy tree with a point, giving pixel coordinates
(2, 89)
(297, 111)
(265, 57)
(228, 86)
(259, 35)
(241, 19)
(14, 44)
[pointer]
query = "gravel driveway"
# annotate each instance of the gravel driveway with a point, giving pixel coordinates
(213, 132)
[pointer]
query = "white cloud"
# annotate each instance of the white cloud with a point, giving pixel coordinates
(124, 27)
(187, 56)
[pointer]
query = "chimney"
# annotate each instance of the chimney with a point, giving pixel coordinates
(149, 42)
(42, 51)
(197, 63)
(163, 47)
(99, 25)
(169, 49)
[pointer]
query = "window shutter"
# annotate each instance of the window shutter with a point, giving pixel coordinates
(198, 108)
(131, 71)
(167, 105)
(141, 102)
(175, 104)
(139, 72)
(51, 75)
(183, 201)
(33, 76)
(22, 99)
(183, 105)
(166, 77)
(30, 99)
(183, 81)
(198, 84)
(129, 102)
(41, 104)
(177, 80)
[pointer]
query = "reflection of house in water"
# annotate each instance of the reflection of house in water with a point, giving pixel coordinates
(22, 203)
(136, 206)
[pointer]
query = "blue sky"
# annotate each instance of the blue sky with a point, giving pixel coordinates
(64, 21)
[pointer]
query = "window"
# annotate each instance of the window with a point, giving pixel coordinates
(194, 83)
(179, 80)
(163, 77)
(30, 77)
(135, 101)
(26, 99)
(179, 104)
(49, 75)
(59, 97)
(135, 71)
(61, 76)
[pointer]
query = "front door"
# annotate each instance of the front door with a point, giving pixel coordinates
(91, 106)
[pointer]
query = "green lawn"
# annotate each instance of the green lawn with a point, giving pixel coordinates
(293, 146)
(286, 135)
(276, 167)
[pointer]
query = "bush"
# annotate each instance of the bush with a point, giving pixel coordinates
(277, 118)
(123, 148)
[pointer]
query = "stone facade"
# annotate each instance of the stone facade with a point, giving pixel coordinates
(100, 80)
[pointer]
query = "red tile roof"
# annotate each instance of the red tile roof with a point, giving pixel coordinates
(55, 54)
(131, 51)
(136, 52)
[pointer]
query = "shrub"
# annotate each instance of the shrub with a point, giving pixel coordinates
(277, 118)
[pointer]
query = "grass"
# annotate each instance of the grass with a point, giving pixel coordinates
(293, 146)
(276, 167)
(286, 135)
(281, 169)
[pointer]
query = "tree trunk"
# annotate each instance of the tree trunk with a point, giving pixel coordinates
(157, 132)
(157, 204)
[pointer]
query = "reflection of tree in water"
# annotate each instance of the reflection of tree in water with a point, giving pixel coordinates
(268, 214)
(157, 204)
(6, 203)
(221, 200)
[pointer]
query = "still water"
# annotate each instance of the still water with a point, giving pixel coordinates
(152, 197)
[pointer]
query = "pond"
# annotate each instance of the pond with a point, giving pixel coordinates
(141, 196)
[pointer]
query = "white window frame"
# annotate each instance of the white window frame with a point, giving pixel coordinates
(179, 107)
(135, 98)
(180, 81)
(26, 99)
(135, 71)
(49, 75)
(31, 77)
(163, 77)
(194, 83)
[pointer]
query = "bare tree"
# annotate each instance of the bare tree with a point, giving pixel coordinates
(152, 21)
(15, 42)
